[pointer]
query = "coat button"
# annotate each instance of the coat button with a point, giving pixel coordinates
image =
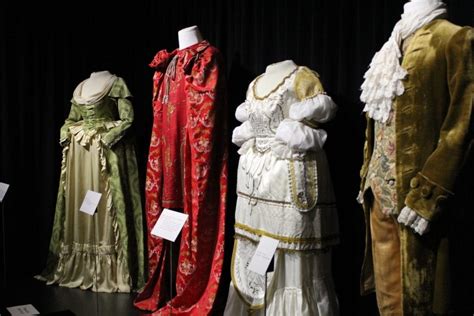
(414, 183)
(441, 199)
(426, 192)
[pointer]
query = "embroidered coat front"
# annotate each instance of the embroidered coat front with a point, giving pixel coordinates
(434, 144)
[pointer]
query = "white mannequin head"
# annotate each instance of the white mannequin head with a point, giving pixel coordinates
(189, 36)
(274, 74)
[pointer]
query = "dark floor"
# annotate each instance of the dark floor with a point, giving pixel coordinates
(56, 300)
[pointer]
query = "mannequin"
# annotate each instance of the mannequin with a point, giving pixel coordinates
(189, 133)
(284, 192)
(95, 83)
(94, 88)
(98, 156)
(418, 98)
(189, 36)
(274, 73)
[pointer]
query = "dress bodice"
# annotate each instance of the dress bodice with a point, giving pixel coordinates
(110, 115)
(285, 119)
(103, 110)
(265, 113)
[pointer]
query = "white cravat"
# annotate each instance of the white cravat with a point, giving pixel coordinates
(383, 79)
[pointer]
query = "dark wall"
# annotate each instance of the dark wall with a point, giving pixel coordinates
(47, 49)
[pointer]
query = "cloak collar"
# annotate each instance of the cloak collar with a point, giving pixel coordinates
(163, 57)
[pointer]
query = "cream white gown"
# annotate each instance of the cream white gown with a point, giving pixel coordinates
(285, 192)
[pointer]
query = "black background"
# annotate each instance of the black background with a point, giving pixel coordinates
(46, 49)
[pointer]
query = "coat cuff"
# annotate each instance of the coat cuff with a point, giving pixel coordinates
(426, 198)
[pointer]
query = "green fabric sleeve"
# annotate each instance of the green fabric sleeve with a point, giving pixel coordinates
(121, 94)
(73, 117)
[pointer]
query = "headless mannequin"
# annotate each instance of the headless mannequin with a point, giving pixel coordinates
(95, 83)
(273, 75)
(94, 88)
(189, 36)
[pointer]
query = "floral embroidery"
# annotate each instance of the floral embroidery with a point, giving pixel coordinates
(382, 174)
(189, 123)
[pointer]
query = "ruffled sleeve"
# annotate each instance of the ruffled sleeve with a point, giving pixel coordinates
(318, 109)
(242, 112)
(243, 133)
(301, 130)
(299, 137)
(314, 105)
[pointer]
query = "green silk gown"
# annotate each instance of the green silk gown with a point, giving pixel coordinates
(103, 252)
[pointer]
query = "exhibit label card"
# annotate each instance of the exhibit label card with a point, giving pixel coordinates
(169, 224)
(263, 255)
(22, 310)
(89, 205)
(3, 190)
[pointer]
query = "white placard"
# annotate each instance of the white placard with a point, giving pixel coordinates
(22, 310)
(89, 205)
(3, 190)
(263, 255)
(169, 225)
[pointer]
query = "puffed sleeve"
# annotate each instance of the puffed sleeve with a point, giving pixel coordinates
(300, 137)
(122, 95)
(244, 132)
(73, 117)
(315, 106)
(242, 112)
(432, 186)
(301, 130)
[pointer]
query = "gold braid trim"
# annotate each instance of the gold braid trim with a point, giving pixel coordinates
(290, 240)
(311, 185)
(274, 89)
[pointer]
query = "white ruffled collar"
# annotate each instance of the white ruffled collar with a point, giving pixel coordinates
(383, 80)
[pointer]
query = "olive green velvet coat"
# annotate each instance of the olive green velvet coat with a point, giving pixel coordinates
(434, 142)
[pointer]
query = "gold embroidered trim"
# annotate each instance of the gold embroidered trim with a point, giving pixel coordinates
(253, 308)
(311, 188)
(232, 275)
(290, 240)
(310, 123)
(248, 196)
(274, 89)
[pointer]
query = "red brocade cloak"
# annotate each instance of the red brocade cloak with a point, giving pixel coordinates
(187, 169)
